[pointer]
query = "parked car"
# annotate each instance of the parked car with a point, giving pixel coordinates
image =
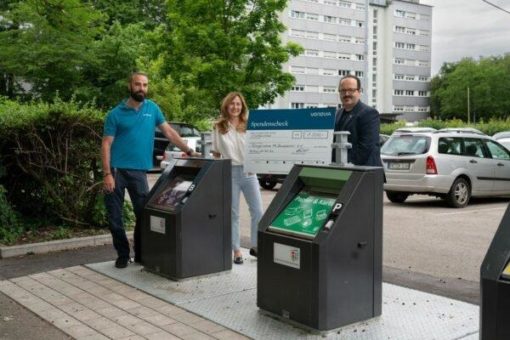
(269, 181)
(503, 138)
(453, 164)
(164, 150)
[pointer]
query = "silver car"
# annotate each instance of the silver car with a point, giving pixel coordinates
(453, 164)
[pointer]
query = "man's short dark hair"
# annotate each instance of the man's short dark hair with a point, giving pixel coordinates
(137, 73)
(358, 82)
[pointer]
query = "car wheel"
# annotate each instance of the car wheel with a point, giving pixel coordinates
(459, 194)
(396, 196)
(267, 182)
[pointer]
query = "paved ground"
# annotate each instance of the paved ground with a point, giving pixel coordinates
(427, 246)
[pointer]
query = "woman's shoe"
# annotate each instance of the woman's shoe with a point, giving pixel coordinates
(238, 260)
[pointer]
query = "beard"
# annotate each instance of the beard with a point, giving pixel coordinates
(137, 96)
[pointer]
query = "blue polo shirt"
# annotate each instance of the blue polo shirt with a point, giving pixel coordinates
(133, 134)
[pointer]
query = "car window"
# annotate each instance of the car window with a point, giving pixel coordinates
(400, 145)
(449, 145)
(473, 147)
(497, 151)
(188, 131)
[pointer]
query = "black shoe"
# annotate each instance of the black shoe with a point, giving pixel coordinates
(121, 262)
(238, 260)
(253, 251)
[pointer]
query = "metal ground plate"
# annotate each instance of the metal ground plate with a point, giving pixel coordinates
(230, 300)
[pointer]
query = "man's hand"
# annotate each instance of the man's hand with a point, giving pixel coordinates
(109, 183)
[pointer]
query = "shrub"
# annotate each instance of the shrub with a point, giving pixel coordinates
(51, 156)
(10, 228)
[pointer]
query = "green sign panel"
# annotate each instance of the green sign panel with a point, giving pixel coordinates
(305, 214)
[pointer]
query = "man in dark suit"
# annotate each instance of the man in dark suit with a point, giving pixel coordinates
(361, 120)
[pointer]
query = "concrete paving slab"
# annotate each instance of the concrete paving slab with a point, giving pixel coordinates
(91, 310)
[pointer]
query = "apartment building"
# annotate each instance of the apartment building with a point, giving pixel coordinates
(387, 44)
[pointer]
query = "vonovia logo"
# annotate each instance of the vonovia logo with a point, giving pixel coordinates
(294, 255)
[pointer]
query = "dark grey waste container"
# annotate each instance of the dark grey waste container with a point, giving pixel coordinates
(320, 247)
(495, 285)
(186, 228)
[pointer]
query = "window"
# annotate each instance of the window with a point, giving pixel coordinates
(330, 2)
(449, 145)
(400, 29)
(360, 57)
(344, 56)
(298, 88)
(329, 19)
(329, 89)
(344, 72)
(359, 41)
(423, 63)
(344, 4)
(311, 105)
(473, 148)
(297, 14)
(399, 13)
(344, 21)
(409, 77)
(400, 45)
(399, 77)
(423, 78)
(409, 93)
(497, 151)
(297, 105)
(312, 16)
(411, 31)
(328, 72)
(422, 93)
(398, 108)
(411, 46)
(399, 61)
(360, 7)
(398, 92)
(359, 74)
(312, 53)
(344, 39)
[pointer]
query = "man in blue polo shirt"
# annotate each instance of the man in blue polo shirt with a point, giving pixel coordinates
(126, 153)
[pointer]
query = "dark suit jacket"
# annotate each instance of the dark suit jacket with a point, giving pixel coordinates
(363, 123)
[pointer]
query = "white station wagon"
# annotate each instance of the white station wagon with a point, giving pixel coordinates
(453, 164)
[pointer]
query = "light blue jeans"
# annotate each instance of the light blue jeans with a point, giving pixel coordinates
(249, 185)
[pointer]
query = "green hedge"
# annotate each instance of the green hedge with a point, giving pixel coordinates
(490, 128)
(50, 154)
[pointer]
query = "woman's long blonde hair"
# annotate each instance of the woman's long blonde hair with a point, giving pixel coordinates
(222, 122)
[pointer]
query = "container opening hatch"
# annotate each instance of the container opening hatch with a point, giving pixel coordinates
(306, 212)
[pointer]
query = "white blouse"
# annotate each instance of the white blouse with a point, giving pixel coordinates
(229, 145)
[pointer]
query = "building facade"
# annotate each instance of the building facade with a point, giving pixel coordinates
(387, 44)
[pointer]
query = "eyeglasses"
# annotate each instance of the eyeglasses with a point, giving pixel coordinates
(348, 91)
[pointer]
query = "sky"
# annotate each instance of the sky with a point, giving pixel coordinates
(468, 28)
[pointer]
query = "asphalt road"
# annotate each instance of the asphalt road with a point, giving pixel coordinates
(427, 246)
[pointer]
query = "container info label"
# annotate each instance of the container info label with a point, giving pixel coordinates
(287, 255)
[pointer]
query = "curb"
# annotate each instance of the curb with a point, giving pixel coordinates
(57, 245)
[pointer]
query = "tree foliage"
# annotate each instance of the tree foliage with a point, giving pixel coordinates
(212, 47)
(199, 50)
(488, 80)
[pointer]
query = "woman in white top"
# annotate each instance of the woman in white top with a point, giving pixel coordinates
(228, 140)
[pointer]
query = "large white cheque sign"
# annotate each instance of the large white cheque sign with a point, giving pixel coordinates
(278, 139)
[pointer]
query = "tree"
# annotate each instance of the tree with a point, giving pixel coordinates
(48, 44)
(212, 47)
(488, 80)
